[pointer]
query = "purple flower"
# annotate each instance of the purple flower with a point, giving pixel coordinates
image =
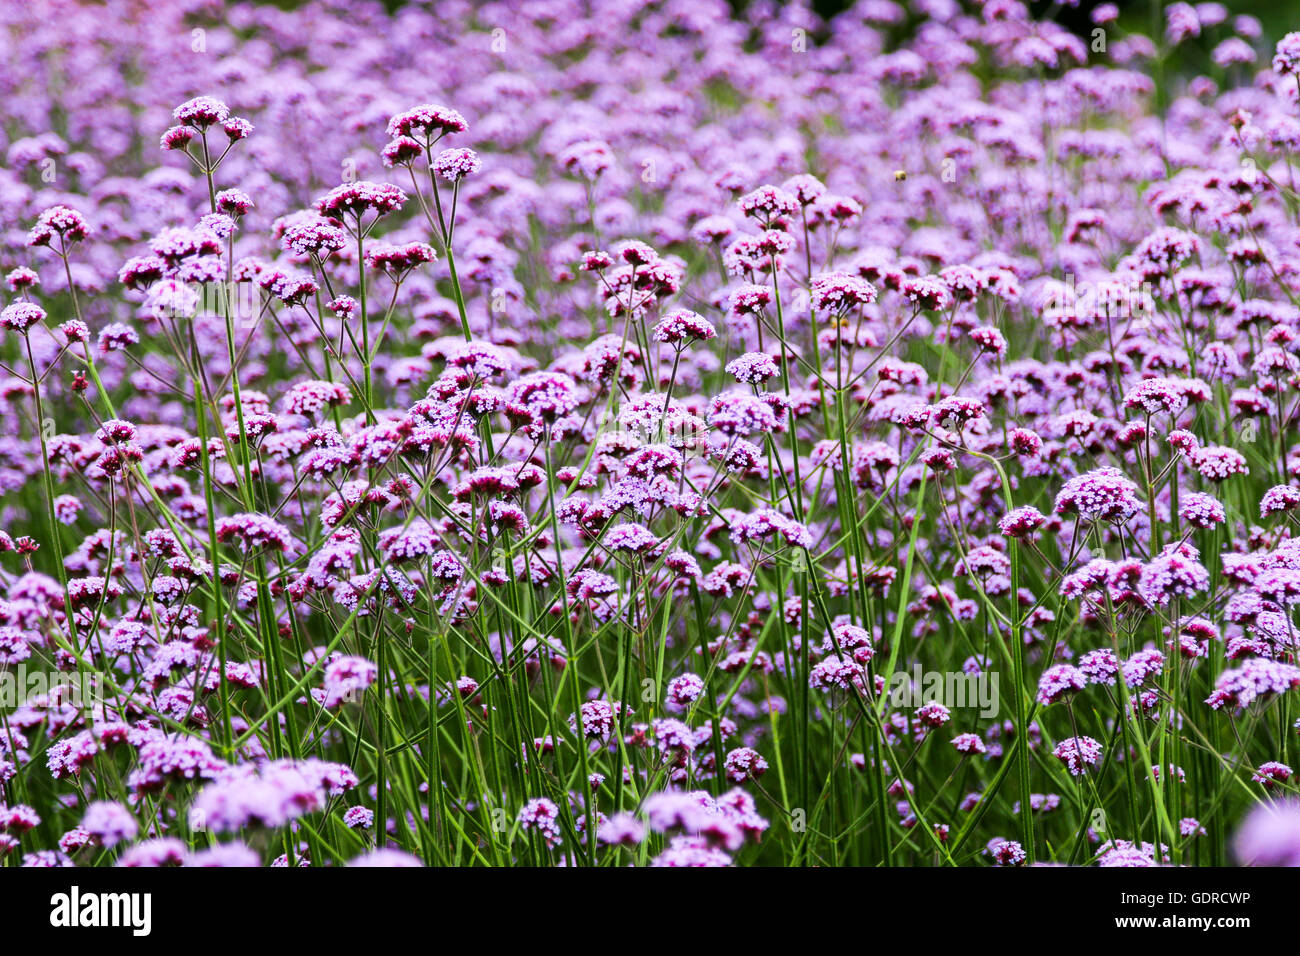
(1270, 835)
(387, 858)
(109, 823)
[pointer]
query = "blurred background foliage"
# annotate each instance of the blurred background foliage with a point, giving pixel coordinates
(1190, 58)
(1145, 16)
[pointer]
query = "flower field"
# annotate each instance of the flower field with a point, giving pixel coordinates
(551, 433)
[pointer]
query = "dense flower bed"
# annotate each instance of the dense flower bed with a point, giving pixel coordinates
(621, 433)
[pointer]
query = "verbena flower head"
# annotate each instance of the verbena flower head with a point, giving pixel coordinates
(201, 112)
(1270, 835)
(358, 198)
(1286, 60)
(681, 326)
(61, 222)
(1078, 754)
(21, 316)
(1104, 494)
(454, 165)
(428, 121)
